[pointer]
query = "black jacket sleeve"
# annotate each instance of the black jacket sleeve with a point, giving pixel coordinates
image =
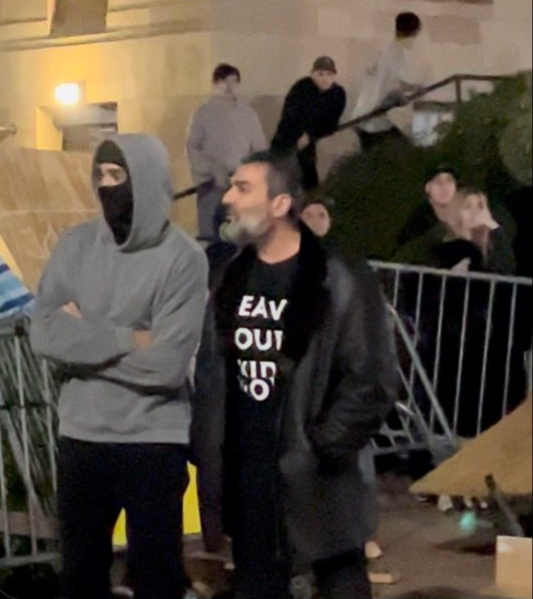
(365, 375)
(333, 108)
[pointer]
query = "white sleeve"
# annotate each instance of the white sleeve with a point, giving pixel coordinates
(406, 71)
(372, 93)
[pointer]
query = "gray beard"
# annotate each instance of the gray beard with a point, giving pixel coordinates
(234, 232)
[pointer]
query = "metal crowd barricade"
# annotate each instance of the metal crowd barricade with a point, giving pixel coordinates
(408, 429)
(465, 347)
(461, 339)
(28, 435)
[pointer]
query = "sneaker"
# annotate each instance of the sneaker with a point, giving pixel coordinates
(445, 504)
(373, 551)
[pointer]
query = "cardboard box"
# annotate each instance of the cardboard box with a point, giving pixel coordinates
(514, 569)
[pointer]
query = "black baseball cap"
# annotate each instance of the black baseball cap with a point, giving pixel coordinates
(325, 63)
(442, 169)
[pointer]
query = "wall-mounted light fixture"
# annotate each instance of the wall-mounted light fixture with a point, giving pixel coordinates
(68, 94)
(8, 130)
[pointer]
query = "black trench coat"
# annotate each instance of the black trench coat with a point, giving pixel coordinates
(340, 381)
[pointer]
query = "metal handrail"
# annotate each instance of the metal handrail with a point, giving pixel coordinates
(458, 80)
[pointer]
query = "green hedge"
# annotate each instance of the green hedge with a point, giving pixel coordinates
(490, 144)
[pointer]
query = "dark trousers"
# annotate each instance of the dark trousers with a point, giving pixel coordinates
(209, 202)
(308, 165)
(263, 570)
(97, 481)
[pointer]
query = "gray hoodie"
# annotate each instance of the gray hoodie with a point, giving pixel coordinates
(223, 132)
(156, 281)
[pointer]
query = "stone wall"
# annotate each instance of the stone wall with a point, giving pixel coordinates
(156, 57)
(13, 11)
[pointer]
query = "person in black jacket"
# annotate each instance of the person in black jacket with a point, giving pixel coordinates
(296, 373)
(312, 111)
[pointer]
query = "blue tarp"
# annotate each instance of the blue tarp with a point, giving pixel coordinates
(15, 299)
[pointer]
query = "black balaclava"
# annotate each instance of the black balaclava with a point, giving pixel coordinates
(117, 202)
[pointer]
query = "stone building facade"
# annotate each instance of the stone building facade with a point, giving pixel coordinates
(154, 57)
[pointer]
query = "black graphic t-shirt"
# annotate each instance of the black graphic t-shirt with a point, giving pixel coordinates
(259, 337)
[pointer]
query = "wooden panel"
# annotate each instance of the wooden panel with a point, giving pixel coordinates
(514, 576)
(505, 451)
(41, 194)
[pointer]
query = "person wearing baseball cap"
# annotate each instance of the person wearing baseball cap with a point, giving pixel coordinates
(458, 227)
(441, 185)
(312, 111)
(430, 222)
(325, 64)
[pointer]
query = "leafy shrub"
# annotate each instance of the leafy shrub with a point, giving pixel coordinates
(489, 143)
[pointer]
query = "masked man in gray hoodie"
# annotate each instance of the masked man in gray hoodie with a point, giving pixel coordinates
(120, 307)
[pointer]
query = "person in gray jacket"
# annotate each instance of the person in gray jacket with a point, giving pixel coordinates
(120, 307)
(222, 133)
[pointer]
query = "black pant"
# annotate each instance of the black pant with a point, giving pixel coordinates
(97, 481)
(263, 570)
(308, 165)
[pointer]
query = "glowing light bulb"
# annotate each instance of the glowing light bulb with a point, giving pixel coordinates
(68, 94)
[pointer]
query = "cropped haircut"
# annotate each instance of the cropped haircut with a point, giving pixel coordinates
(284, 176)
(224, 71)
(408, 24)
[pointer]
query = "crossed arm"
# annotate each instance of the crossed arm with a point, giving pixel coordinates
(155, 359)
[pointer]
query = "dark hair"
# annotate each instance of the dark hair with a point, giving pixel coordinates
(224, 71)
(316, 198)
(442, 169)
(284, 176)
(408, 24)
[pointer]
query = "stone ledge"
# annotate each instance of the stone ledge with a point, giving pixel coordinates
(135, 33)
(478, 2)
(26, 29)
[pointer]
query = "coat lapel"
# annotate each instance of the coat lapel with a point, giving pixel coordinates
(308, 302)
(309, 299)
